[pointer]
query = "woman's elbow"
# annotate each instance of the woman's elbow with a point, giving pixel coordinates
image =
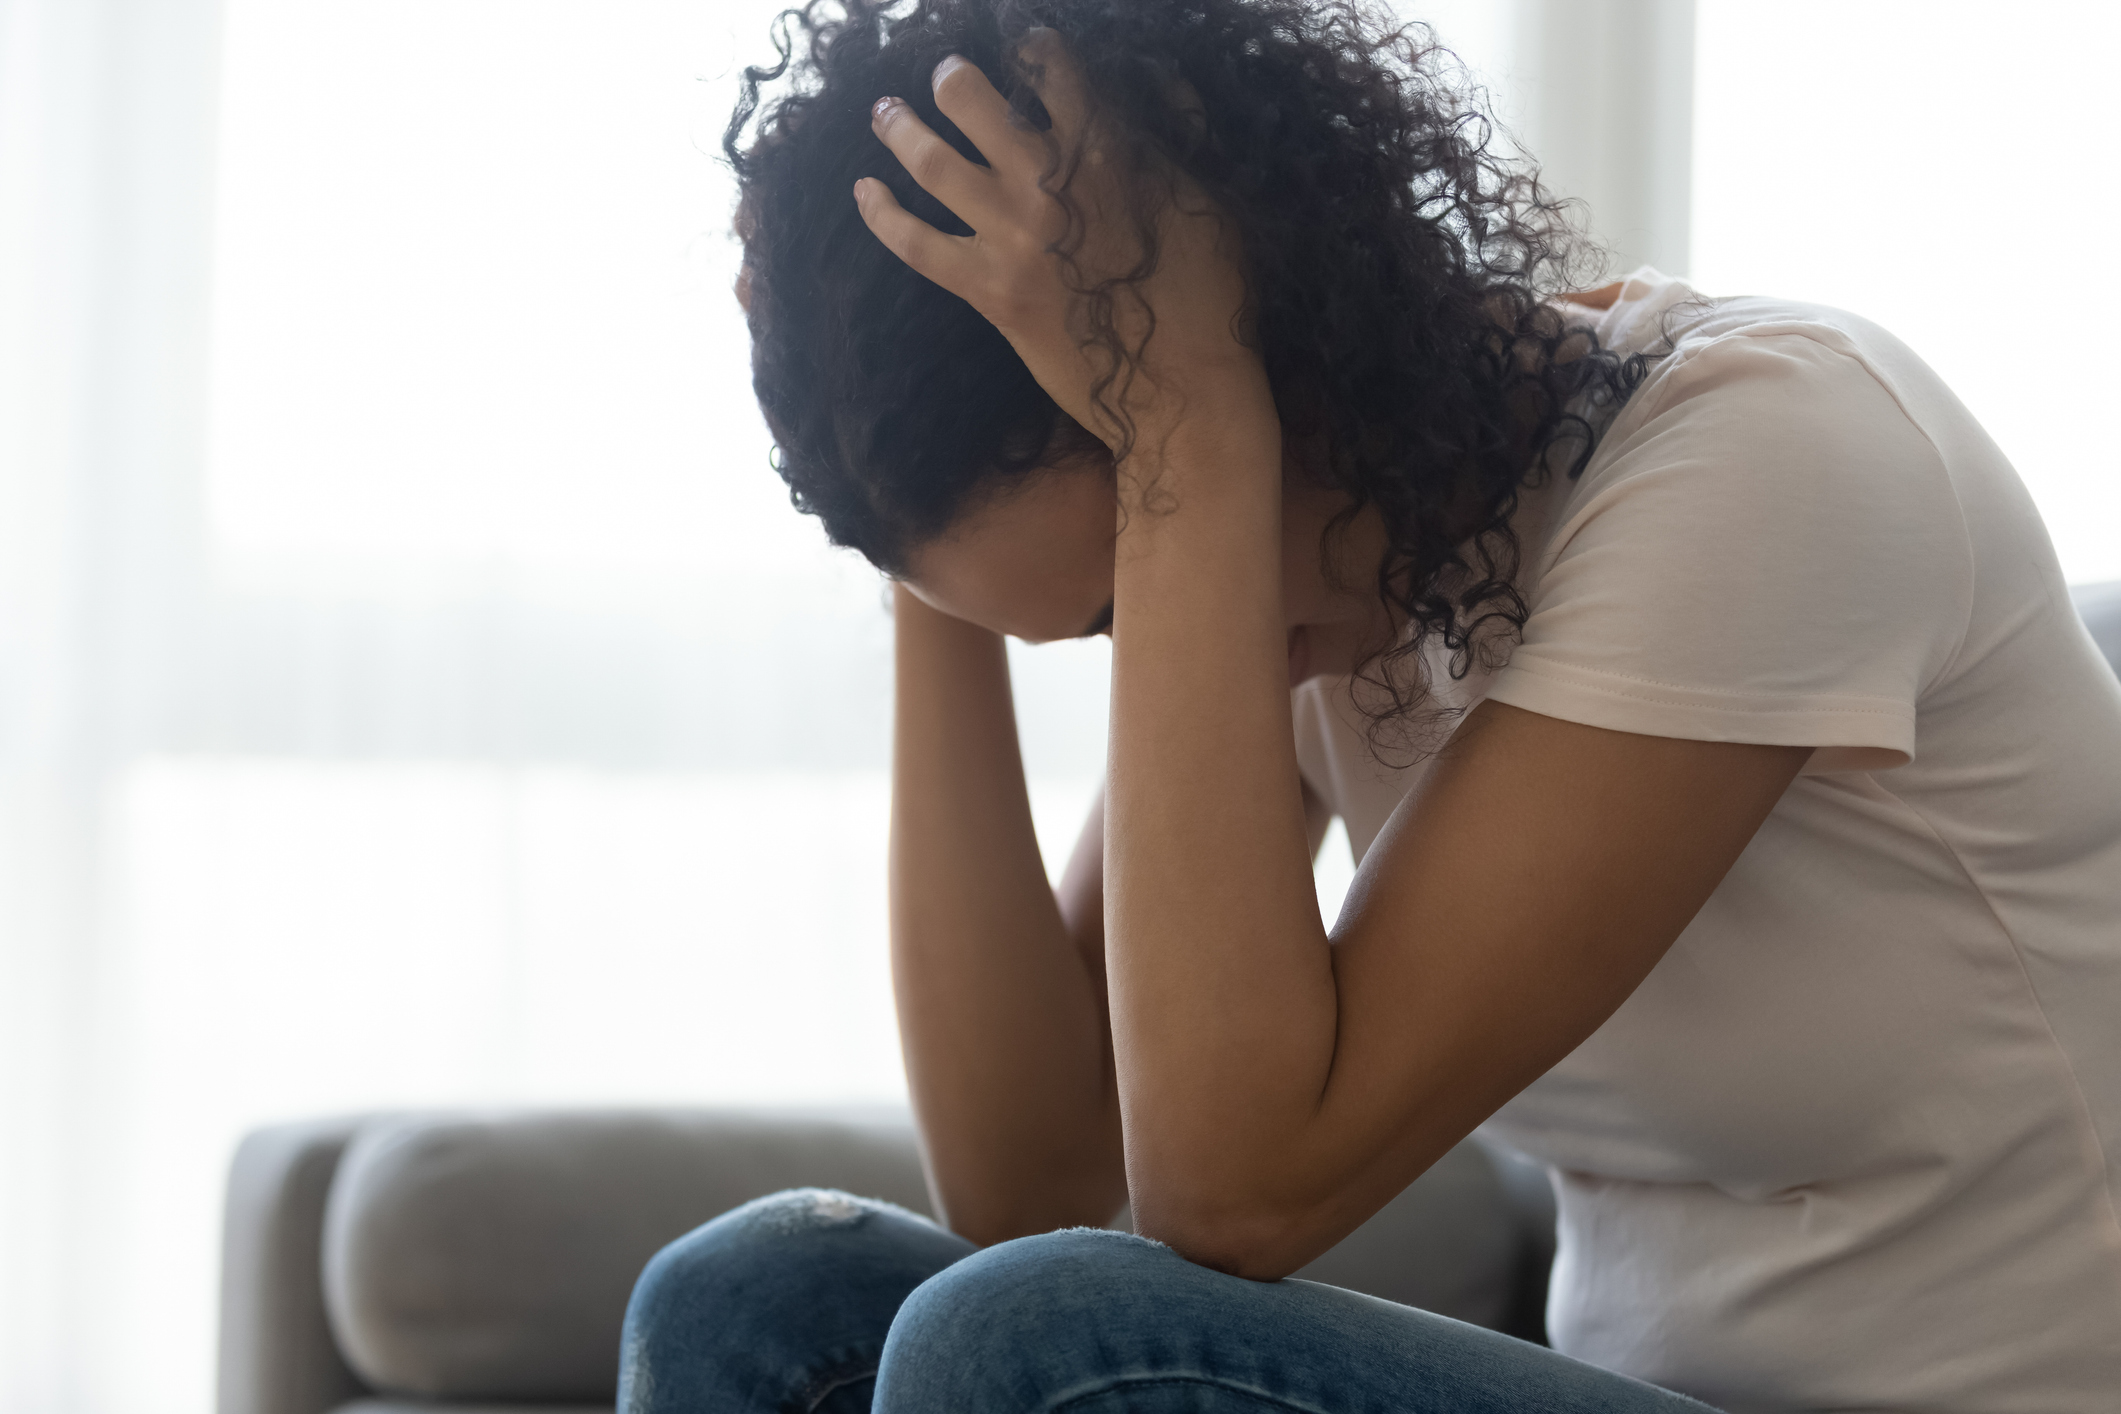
(1257, 1244)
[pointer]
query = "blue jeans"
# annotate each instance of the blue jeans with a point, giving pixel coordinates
(813, 1302)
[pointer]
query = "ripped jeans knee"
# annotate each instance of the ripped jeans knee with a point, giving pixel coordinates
(797, 1210)
(791, 1294)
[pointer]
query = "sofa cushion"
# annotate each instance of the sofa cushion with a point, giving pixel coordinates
(489, 1257)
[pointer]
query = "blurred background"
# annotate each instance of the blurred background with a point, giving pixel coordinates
(414, 686)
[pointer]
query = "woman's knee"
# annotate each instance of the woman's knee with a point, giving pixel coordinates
(765, 1232)
(1017, 1317)
(804, 1265)
(997, 1293)
(1020, 1275)
(783, 1242)
(1101, 1320)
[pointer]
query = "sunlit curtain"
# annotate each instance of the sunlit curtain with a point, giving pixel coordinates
(414, 685)
(106, 140)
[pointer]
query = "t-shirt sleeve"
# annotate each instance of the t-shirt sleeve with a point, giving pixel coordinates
(1767, 548)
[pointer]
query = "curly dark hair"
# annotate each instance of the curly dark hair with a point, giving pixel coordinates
(1401, 271)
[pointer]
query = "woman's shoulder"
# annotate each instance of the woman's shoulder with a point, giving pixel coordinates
(1766, 544)
(1764, 351)
(1771, 387)
(1669, 324)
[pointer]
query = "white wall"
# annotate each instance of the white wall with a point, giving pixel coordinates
(1953, 171)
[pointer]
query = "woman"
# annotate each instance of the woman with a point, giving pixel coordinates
(1737, 796)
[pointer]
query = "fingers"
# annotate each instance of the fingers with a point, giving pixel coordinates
(965, 187)
(970, 101)
(933, 253)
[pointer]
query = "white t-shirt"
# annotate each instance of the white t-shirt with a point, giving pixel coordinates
(1855, 1143)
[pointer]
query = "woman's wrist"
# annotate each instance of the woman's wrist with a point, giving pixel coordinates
(911, 614)
(1232, 406)
(1222, 454)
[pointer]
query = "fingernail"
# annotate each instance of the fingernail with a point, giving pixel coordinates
(883, 106)
(943, 69)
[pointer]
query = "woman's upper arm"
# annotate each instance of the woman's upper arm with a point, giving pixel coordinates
(1765, 566)
(1516, 898)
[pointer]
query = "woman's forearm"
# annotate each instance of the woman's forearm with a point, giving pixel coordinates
(1224, 1006)
(1001, 1013)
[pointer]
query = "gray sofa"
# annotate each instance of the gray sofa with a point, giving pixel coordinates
(2100, 607)
(480, 1262)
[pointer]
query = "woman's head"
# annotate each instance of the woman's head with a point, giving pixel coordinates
(1398, 272)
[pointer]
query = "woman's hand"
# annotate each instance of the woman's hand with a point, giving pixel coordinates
(1033, 272)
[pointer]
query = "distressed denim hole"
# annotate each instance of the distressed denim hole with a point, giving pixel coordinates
(812, 1210)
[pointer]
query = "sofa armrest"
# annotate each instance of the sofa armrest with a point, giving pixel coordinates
(1528, 1189)
(277, 1354)
(2099, 605)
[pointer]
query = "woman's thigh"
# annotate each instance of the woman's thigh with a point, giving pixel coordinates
(1100, 1322)
(780, 1305)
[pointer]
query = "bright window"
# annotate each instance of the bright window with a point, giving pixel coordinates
(1952, 171)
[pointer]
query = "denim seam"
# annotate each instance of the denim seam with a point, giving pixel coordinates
(821, 1387)
(1125, 1382)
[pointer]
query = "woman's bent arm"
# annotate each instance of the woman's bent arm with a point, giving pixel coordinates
(1000, 1000)
(1279, 1088)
